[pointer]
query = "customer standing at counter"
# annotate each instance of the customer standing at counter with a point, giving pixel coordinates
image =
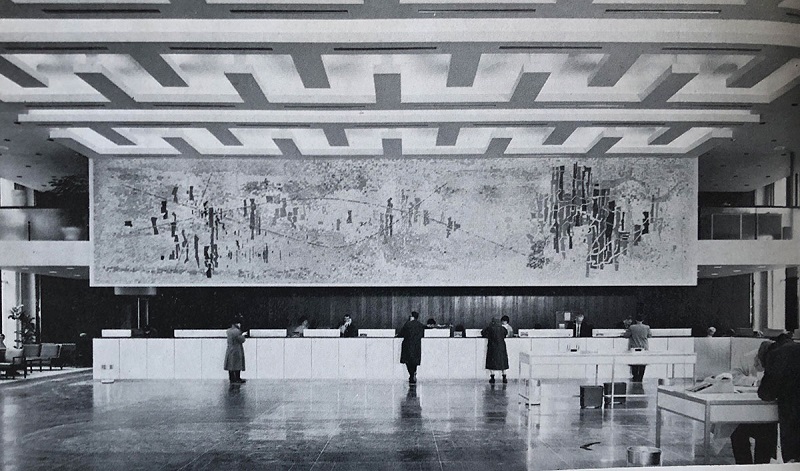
(411, 348)
(234, 355)
(496, 353)
(781, 382)
(637, 334)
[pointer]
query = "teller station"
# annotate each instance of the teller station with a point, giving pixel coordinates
(375, 354)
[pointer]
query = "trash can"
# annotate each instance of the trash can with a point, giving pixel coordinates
(644, 456)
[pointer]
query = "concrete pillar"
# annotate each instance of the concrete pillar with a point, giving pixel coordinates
(760, 300)
(776, 314)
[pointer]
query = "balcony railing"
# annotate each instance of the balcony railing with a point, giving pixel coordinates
(31, 223)
(755, 223)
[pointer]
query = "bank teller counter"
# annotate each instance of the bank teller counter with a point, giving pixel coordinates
(199, 354)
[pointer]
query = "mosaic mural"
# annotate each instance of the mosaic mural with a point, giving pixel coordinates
(394, 222)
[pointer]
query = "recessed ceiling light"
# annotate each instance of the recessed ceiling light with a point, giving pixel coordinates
(714, 274)
(53, 272)
(762, 266)
(76, 276)
(70, 268)
(737, 271)
(718, 267)
(24, 268)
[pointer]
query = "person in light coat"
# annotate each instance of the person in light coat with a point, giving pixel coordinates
(234, 355)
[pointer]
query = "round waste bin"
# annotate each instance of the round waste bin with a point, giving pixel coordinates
(644, 456)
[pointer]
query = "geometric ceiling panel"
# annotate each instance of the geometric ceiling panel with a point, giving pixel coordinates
(370, 141)
(423, 78)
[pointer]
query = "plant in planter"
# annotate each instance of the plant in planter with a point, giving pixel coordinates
(26, 332)
(72, 194)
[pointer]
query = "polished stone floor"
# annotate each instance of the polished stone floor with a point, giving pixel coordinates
(74, 423)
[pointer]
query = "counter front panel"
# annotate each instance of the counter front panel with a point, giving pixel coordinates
(353, 358)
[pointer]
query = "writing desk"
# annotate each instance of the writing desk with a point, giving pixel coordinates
(740, 407)
(597, 359)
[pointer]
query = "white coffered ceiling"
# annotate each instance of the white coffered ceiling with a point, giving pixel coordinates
(716, 79)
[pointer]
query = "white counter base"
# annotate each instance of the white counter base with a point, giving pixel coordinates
(352, 358)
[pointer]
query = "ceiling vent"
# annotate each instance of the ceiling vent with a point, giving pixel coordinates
(663, 11)
(101, 11)
(295, 11)
(220, 48)
(384, 48)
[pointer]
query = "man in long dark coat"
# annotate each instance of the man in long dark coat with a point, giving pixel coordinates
(411, 349)
(781, 383)
(234, 355)
(496, 353)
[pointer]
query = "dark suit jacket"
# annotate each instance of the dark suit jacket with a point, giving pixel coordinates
(586, 329)
(350, 331)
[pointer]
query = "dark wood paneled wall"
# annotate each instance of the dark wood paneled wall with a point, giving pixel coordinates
(71, 306)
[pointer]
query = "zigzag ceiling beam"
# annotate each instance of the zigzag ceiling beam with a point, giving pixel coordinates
(192, 116)
(456, 30)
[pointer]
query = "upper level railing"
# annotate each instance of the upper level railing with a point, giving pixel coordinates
(31, 223)
(754, 223)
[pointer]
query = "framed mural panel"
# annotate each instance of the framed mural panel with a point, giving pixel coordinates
(394, 222)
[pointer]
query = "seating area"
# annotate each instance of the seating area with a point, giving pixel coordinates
(48, 354)
(13, 362)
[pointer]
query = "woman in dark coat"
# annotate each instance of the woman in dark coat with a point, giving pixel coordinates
(411, 349)
(234, 355)
(496, 353)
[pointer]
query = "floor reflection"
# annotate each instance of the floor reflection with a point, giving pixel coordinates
(78, 424)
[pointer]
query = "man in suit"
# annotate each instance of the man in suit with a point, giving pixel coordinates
(411, 348)
(348, 329)
(580, 328)
(637, 335)
(234, 354)
(781, 382)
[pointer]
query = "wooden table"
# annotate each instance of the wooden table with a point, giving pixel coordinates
(597, 359)
(739, 407)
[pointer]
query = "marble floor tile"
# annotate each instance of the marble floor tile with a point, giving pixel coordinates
(76, 423)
